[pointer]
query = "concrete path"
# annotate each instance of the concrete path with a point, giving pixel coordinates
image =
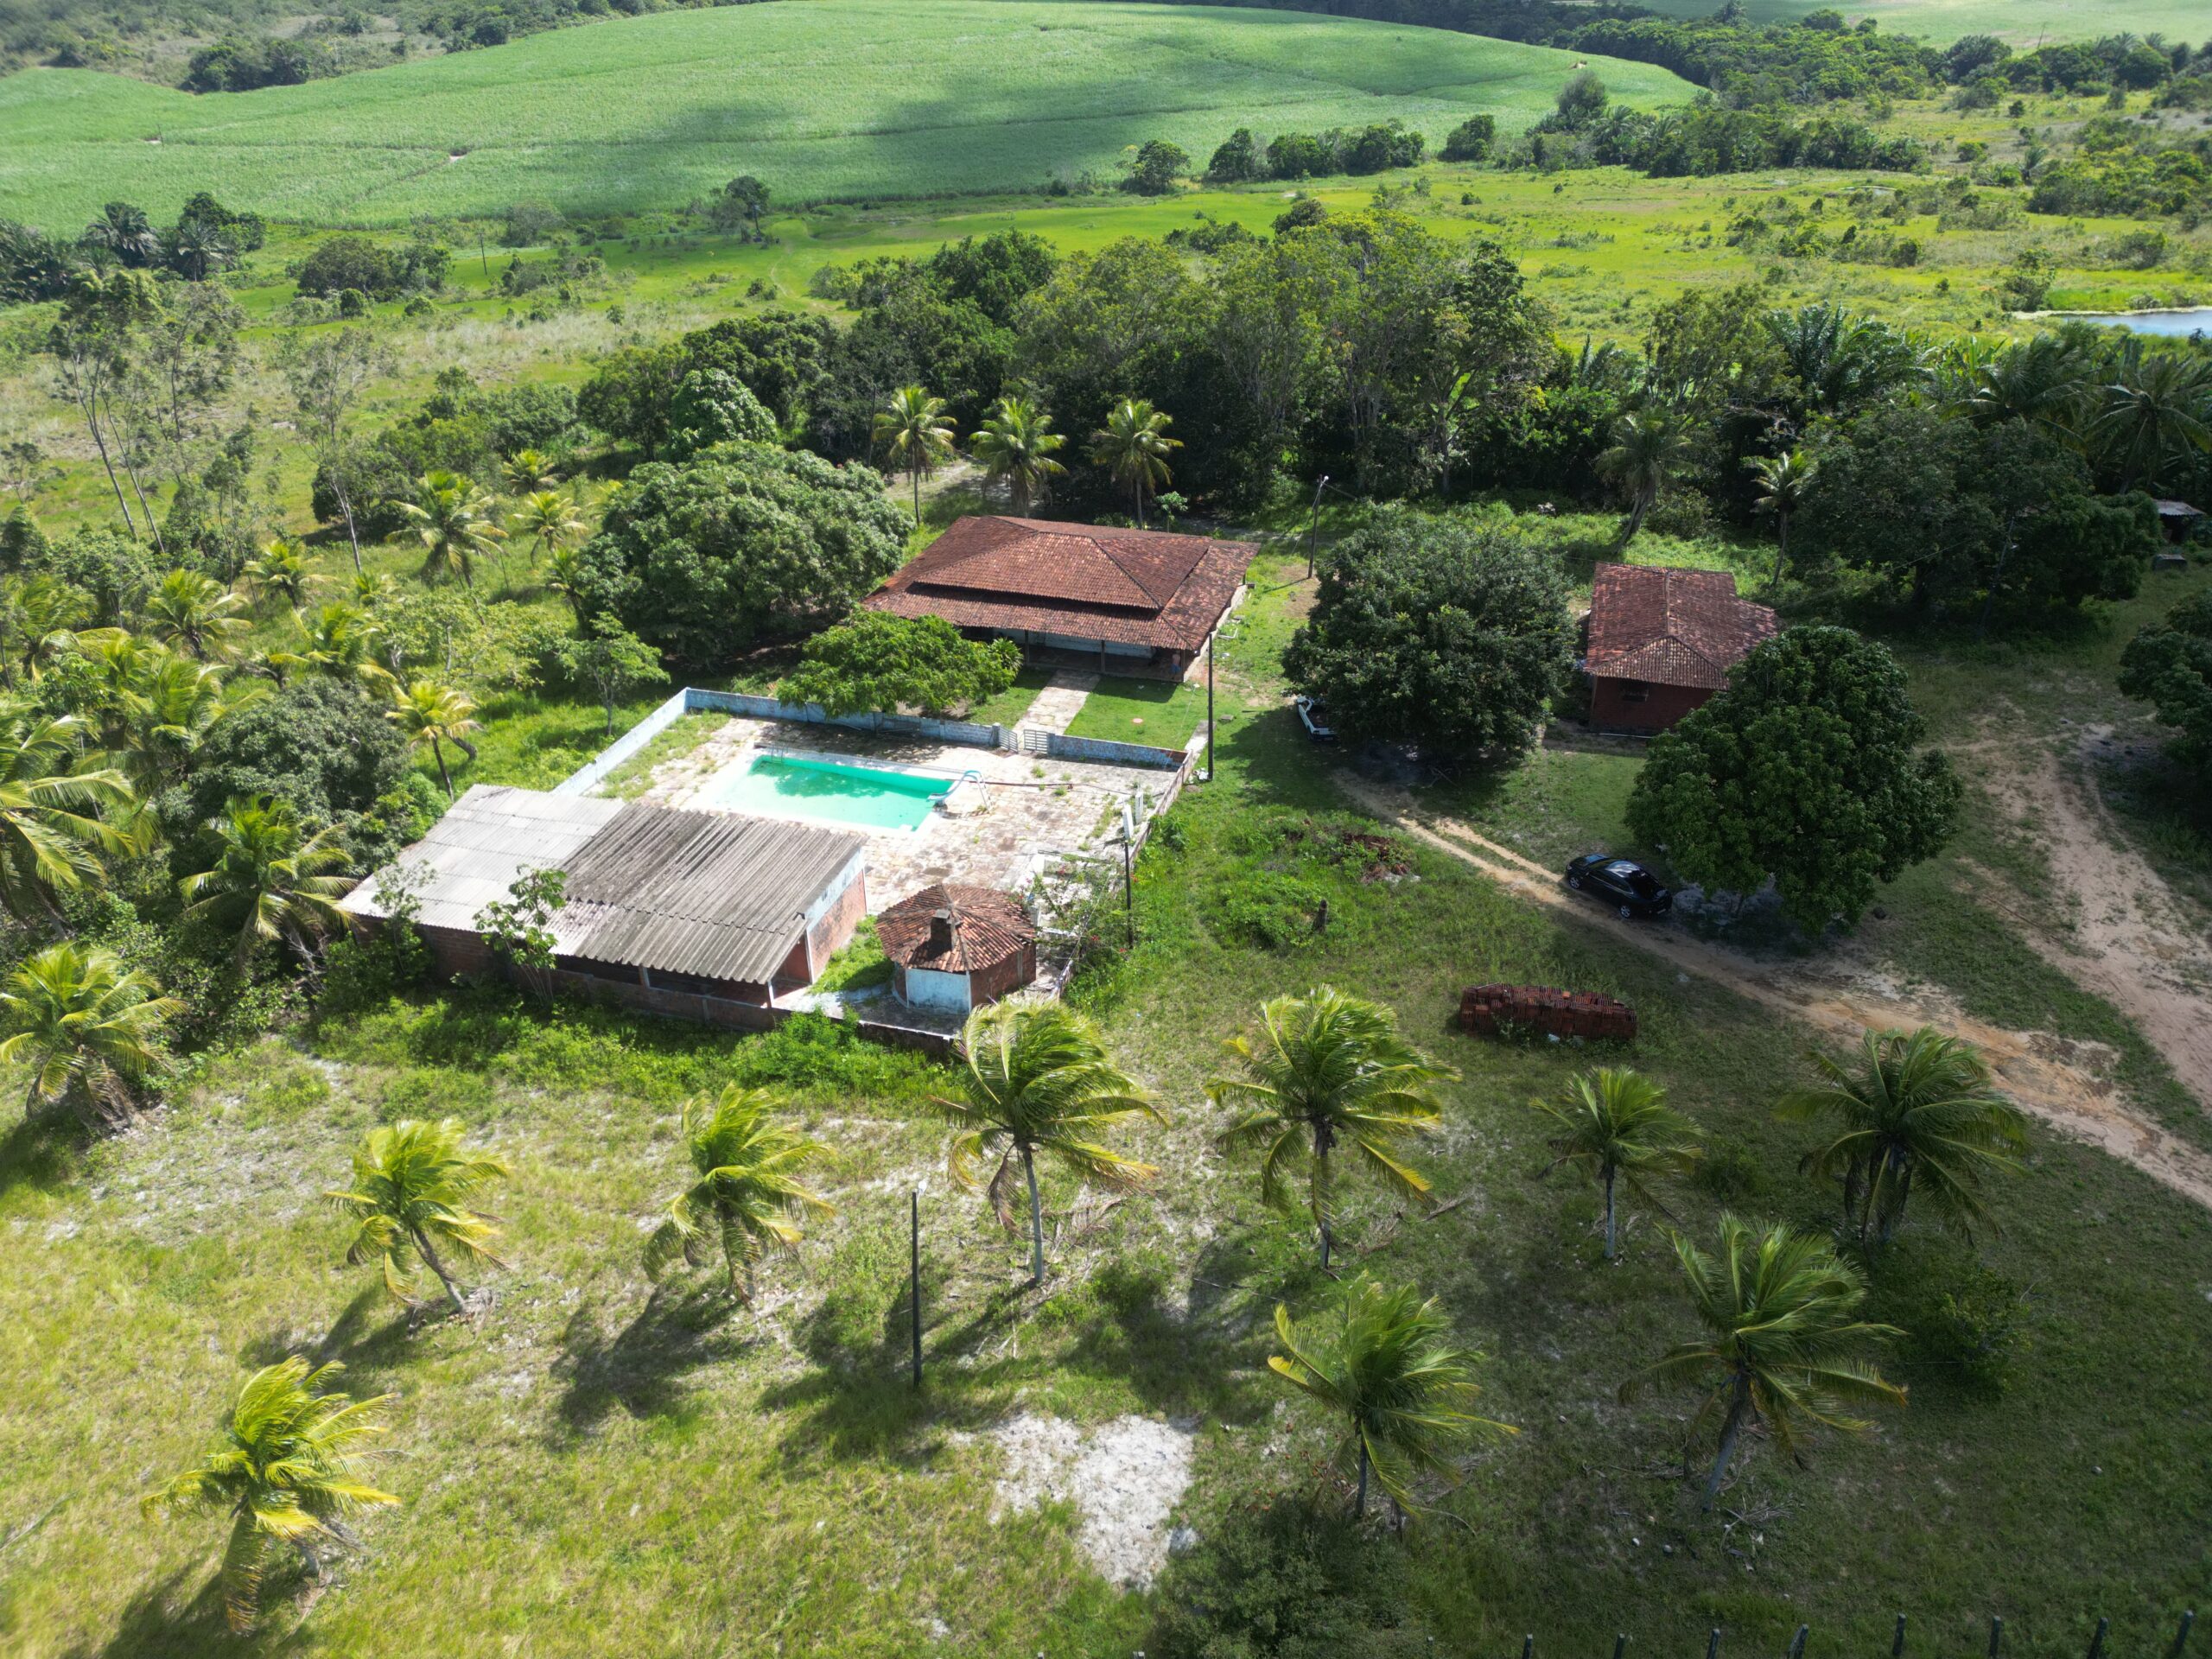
(1061, 700)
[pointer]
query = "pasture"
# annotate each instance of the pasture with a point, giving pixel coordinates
(2026, 23)
(827, 99)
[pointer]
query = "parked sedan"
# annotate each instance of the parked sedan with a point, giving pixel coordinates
(1621, 882)
(1315, 719)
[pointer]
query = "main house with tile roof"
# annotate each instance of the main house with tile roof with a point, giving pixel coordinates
(1129, 601)
(1661, 641)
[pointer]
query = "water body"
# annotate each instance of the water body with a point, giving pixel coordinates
(2195, 321)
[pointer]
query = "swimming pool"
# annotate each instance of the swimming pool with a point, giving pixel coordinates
(868, 797)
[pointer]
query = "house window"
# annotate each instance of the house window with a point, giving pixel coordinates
(1635, 692)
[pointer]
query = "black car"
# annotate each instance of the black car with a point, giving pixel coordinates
(1621, 882)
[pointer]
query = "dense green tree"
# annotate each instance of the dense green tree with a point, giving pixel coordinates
(713, 406)
(1918, 1112)
(741, 541)
(1473, 140)
(2169, 666)
(1805, 767)
(1387, 1365)
(1130, 316)
(781, 357)
(1448, 634)
(288, 1473)
(1781, 1343)
(878, 663)
(272, 881)
(1326, 1072)
(612, 661)
(1615, 1126)
(320, 743)
(748, 1196)
(412, 1184)
(1155, 166)
(85, 1026)
(1036, 1081)
(630, 394)
(1236, 160)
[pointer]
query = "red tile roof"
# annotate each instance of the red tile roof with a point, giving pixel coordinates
(1089, 581)
(1670, 627)
(987, 927)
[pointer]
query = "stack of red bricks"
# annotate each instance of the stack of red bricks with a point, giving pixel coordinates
(1485, 1010)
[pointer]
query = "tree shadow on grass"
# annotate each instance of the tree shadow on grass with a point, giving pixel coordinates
(42, 1150)
(644, 1369)
(1183, 1362)
(167, 1621)
(369, 1350)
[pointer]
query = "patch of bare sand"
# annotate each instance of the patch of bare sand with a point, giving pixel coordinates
(1125, 1478)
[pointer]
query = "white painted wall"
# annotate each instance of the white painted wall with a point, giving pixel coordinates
(928, 989)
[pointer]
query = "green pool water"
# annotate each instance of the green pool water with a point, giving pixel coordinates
(866, 795)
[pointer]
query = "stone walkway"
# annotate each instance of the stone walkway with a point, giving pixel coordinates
(1061, 701)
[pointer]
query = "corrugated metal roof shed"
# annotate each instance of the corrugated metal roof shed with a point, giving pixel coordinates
(713, 894)
(700, 892)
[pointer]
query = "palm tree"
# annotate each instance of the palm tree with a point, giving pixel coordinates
(1784, 481)
(1918, 1111)
(912, 428)
(2156, 409)
(195, 613)
(124, 231)
(2041, 381)
(1037, 1079)
(339, 640)
(83, 1024)
(282, 574)
(1647, 450)
(412, 1183)
(178, 701)
(286, 1473)
(1780, 1312)
(1389, 1369)
(452, 520)
(1015, 447)
(565, 575)
(550, 521)
(529, 470)
(269, 880)
(1616, 1126)
(429, 712)
(1324, 1071)
(1841, 359)
(51, 831)
(201, 249)
(1133, 447)
(746, 1192)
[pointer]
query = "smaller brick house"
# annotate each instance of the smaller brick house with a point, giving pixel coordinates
(708, 915)
(1660, 641)
(957, 947)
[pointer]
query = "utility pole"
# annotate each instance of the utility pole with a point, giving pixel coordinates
(1313, 528)
(1211, 736)
(1129, 874)
(914, 1212)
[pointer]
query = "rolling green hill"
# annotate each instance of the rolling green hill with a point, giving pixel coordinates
(2023, 22)
(821, 97)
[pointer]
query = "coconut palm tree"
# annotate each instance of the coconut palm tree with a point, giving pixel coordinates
(201, 249)
(412, 1184)
(1036, 1080)
(281, 575)
(178, 701)
(270, 879)
(83, 1024)
(452, 520)
(913, 429)
(2042, 381)
(2156, 409)
(1324, 1072)
(1917, 1113)
(1615, 1126)
(527, 472)
(286, 1472)
(1015, 445)
(1781, 1343)
(550, 521)
(195, 613)
(52, 800)
(125, 232)
(746, 1194)
(339, 640)
(432, 713)
(1647, 451)
(1784, 481)
(565, 575)
(1133, 447)
(1388, 1368)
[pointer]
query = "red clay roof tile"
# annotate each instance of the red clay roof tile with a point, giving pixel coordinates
(1664, 627)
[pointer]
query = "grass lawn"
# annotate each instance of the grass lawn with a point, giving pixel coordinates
(1010, 705)
(832, 99)
(1160, 712)
(2026, 23)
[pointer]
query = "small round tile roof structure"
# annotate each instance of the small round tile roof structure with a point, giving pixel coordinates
(951, 928)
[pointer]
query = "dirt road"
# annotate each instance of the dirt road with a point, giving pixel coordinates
(2054, 1079)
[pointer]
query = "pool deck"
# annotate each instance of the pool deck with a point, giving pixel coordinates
(1037, 811)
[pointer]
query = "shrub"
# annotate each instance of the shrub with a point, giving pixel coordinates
(880, 664)
(1964, 1322)
(1284, 1581)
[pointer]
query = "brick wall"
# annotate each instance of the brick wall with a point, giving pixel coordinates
(1662, 705)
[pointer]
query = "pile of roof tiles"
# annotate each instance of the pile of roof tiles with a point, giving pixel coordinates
(1487, 1010)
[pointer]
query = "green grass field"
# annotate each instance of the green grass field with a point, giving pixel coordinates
(821, 97)
(2023, 22)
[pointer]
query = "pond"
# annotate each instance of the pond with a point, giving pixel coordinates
(2197, 319)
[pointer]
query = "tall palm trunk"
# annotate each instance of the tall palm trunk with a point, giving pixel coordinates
(1036, 1219)
(1325, 1138)
(444, 776)
(1359, 1502)
(1739, 1410)
(1610, 1234)
(430, 1259)
(1782, 546)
